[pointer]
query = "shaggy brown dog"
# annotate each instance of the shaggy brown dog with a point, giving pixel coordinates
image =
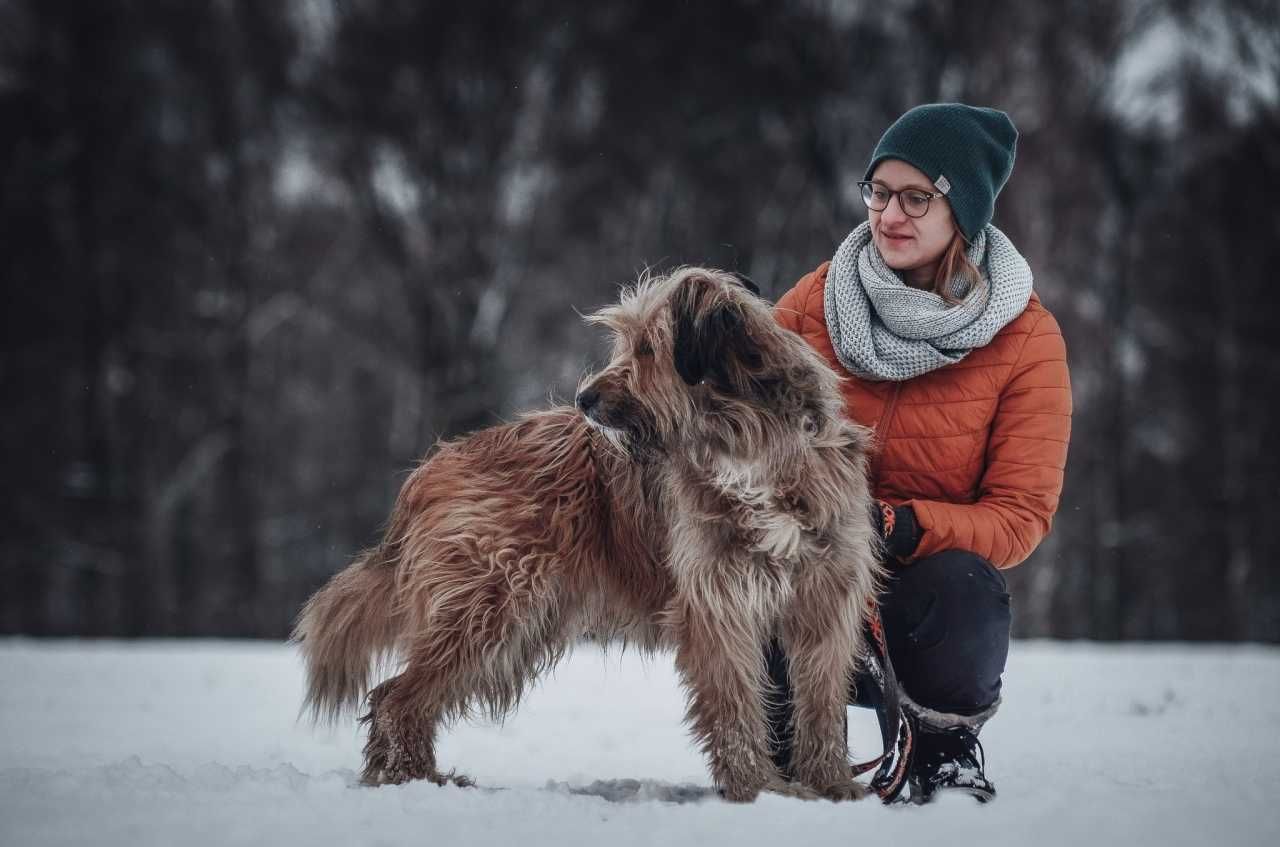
(706, 495)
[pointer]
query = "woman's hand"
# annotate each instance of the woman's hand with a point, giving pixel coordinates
(898, 527)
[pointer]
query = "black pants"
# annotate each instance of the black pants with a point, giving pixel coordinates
(946, 621)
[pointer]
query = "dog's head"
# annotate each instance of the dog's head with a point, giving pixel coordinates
(696, 354)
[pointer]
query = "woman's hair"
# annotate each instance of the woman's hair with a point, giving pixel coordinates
(955, 262)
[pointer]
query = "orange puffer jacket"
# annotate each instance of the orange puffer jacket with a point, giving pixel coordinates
(977, 448)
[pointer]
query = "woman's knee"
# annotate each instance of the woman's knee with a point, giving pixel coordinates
(950, 590)
(947, 620)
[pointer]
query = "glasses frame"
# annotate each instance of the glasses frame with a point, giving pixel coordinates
(864, 184)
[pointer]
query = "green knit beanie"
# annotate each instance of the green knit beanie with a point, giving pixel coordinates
(966, 151)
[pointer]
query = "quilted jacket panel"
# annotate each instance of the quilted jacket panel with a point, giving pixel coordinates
(977, 448)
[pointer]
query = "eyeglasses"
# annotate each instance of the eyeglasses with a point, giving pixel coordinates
(914, 203)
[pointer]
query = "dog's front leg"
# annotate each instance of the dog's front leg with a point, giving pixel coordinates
(719, 657)
(822, 637)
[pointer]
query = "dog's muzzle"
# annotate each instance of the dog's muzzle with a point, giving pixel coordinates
(587, 400)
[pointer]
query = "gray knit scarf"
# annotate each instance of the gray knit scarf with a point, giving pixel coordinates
(883, 329)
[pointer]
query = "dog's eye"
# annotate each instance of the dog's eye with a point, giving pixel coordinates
(644, 348)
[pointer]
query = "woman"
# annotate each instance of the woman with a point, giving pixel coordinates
(929, 313)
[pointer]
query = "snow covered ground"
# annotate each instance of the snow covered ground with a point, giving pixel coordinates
(195, 743)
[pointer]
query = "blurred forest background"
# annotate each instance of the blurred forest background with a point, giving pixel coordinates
(258, 256)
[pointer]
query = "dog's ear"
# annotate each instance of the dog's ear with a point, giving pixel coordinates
(691, 348)
(746, 281)
(710, 333)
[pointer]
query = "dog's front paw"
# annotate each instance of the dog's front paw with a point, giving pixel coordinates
(831, 782)
(846, 790)
(739, 795)
(741, 791)
(786, 788)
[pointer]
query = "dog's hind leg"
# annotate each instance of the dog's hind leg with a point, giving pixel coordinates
(401, 742)
(477, 652)
(377, 747)
(821, 635)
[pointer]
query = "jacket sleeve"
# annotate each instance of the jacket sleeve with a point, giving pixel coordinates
(1025, 460)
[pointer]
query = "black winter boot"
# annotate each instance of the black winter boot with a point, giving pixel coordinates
(949, 759)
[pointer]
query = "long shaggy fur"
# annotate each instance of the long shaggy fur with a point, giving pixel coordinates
(706, 495)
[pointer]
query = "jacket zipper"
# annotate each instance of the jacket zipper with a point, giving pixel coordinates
(882, 434)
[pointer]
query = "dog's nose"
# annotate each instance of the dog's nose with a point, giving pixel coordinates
(587, 399)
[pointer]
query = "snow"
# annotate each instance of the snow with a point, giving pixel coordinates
(196, 743)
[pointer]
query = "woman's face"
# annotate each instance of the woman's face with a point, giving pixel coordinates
(907, 243)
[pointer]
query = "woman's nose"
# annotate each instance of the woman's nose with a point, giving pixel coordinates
(893, 212)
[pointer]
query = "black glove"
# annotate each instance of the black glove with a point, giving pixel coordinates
(898, 527)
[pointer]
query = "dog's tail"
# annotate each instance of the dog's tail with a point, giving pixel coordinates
(346, 628)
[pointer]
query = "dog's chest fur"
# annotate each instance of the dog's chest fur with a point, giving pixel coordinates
(773, 522)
